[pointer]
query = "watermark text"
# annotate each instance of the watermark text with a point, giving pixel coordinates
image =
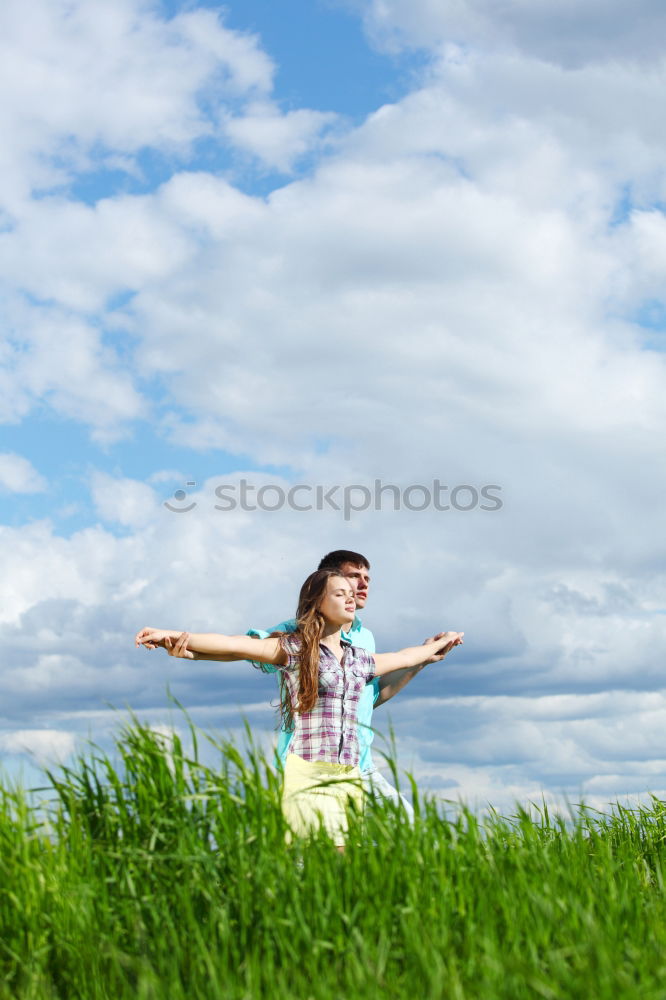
(348, 499)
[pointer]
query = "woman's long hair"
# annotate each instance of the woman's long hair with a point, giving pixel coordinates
(309, 630)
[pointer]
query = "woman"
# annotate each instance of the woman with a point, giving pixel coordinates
(322, 677)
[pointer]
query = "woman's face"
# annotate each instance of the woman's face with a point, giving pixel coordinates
(338, 605)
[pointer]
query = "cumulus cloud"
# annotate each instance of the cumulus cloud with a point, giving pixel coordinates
(18, 475)
(583, 141)
(123, 501)
(57, 357)
(88, 90)
(494, 750)
(117, 245)
(90, 86)
(111, 76)
(562, 31)
(47, 746)
(276, 138)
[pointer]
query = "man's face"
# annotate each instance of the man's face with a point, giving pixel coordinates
(359, 578)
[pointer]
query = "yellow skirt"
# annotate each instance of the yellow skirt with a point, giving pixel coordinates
(316, 793)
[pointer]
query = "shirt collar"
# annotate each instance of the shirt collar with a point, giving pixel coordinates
(356, 626)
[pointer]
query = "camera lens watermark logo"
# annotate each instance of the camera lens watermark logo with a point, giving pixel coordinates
(348, 499)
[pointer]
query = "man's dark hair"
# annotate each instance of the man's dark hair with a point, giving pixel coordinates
(335, 559)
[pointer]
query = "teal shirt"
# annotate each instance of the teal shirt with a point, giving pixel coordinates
(358, 635)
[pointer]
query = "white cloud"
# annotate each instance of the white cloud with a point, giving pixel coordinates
(89, 86)
(59, 358)
(595, 127)
(117, 245)
(82, 77)
(123, 501)
(47, 746)
(18, 475)
(406, 269)
(499, 750)
(277, 138)
(80, 256)
(647, 253)
(562, 31)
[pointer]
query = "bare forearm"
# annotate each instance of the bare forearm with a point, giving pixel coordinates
(404, 659)
(414, 656)
(227, 648)
(212, 646)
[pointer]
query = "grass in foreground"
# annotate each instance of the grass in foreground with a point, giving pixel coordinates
(159, 877)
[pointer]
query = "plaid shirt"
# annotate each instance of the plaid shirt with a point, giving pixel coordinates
(329, 731)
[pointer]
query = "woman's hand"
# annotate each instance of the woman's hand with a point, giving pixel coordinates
(413, 656)
(448, 640)
(151, 638)
(213, 646)
(178, 647)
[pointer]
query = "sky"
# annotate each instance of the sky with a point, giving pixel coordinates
(406, 255)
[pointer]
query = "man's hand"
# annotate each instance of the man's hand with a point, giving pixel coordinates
(455, 639)
(151, 638)
(175, 643)
(433, 638)
(391, 684)
(178, 647)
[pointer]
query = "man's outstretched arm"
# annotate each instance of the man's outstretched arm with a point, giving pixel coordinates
(391, 684)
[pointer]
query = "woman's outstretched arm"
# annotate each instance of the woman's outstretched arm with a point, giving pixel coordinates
(385, 663)
(191, 645)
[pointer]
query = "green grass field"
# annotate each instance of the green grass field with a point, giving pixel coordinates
(159, 877)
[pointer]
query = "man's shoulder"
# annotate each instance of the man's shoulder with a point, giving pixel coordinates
(260, 633)
(361, 636)
(287, 626)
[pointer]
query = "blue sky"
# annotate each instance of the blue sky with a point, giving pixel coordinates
(323, 56)
(325, 244)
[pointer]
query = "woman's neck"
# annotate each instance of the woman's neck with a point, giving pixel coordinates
(331, 634)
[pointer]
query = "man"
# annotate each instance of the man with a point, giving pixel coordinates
(356, 568)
